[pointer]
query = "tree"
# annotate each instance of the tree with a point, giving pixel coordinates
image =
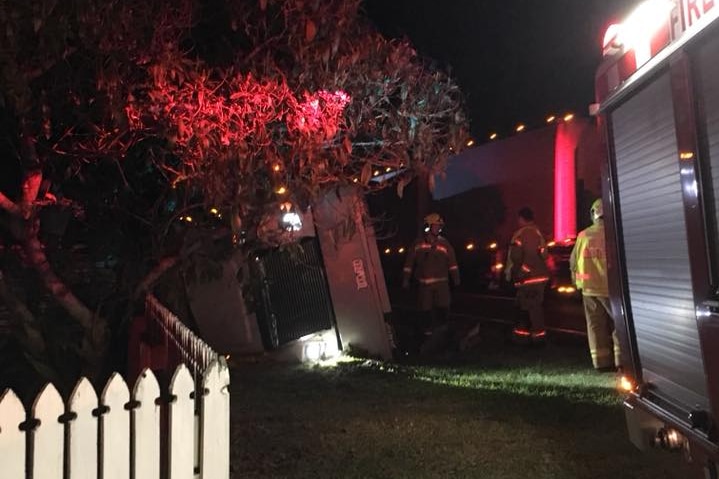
(148, 118)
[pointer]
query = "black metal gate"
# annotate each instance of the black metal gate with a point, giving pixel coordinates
(294, 296)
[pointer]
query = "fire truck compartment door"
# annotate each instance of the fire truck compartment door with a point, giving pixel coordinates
(707, 88)
(660, 301)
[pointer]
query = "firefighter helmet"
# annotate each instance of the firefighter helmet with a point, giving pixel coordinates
(597, 210)
(433, 219)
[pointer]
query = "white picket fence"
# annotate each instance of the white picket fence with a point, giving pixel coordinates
(123, 434)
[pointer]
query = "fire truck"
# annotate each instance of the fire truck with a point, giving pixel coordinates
(657, 92)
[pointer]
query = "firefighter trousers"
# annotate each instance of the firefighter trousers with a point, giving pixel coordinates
(530, 299)
(434, 295)
(601, 335)
(433, 312)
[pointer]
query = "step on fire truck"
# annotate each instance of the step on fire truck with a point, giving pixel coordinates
(658, 103)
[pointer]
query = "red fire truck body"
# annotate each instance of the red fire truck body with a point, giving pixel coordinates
(658, 101)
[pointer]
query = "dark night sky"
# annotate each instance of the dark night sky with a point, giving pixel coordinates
(517, 61)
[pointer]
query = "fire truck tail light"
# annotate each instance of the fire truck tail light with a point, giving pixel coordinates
(626, 384)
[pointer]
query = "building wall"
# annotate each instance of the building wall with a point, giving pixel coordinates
(522, 169)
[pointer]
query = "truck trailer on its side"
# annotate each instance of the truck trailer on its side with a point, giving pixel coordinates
(658, 101)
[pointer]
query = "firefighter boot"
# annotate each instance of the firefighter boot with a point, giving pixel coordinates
(539, 337)
(521, 333)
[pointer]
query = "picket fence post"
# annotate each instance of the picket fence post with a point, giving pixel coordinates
(215, 427)
(49, 436)
(12, 439)
(146, 427)
(115, 430)
(82, 435)
(181, 435)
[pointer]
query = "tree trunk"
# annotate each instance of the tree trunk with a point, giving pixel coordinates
(25, 228)
(26, 332)
(36, 257)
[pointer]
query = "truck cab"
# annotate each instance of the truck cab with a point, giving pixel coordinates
(657, 100)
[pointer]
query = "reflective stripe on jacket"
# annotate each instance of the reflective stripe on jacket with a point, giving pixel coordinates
(526, 260)
(431, 261)
(588, 261)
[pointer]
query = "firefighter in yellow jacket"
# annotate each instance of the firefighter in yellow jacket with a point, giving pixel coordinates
(589, 271)
(527, 270)
(432, 260)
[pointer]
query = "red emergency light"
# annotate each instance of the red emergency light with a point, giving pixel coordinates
(611, 45)
(648, 34)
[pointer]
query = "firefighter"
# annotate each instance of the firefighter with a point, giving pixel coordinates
(589, 273)
(528, 272)
(433, 261)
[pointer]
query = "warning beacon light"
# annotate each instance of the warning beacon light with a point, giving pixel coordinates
(638, 29)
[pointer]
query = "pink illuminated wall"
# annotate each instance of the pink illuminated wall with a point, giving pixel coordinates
(565, 190)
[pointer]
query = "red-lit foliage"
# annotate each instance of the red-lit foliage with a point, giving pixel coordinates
(234, 90)
(147, 111)
(232, 132)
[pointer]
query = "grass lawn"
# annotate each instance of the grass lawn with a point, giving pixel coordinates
(497, 412)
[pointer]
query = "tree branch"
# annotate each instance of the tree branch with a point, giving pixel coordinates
(154, 275)
(31, 187)
(22, 319)
(10, 206)
(93, 326)
(25, 330)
